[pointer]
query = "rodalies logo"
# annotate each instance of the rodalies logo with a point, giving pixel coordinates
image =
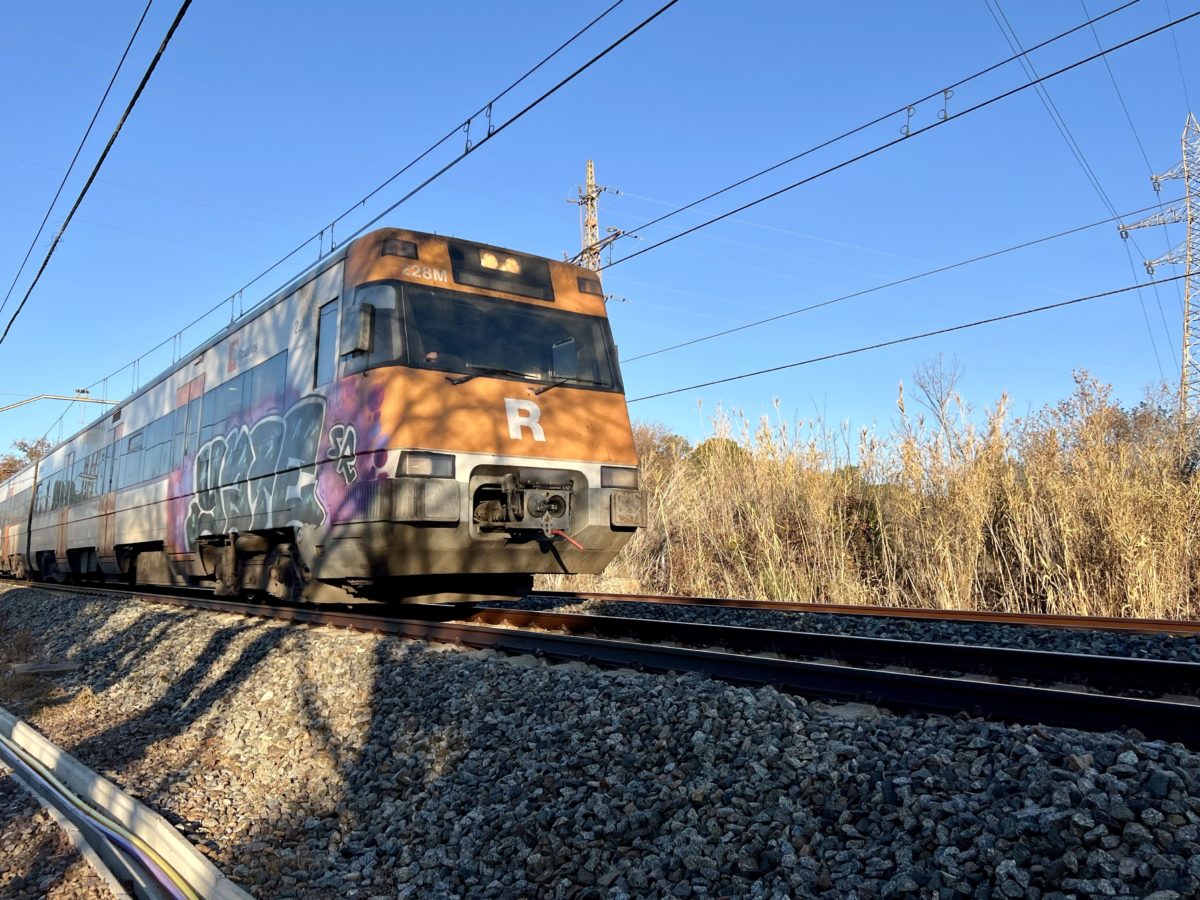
(523, 414)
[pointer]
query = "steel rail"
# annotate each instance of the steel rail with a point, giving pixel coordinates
(901, 691)
(1121, 673)
(1038, 620)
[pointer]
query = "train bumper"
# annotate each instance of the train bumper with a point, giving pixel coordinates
(480, 524)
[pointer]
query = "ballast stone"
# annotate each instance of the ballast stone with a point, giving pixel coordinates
(388, 770)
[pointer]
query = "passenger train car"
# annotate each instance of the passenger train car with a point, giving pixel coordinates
(415, 418)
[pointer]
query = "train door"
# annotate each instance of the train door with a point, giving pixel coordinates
(106, 555)
(313, 345)
(182, 558)
(62, 499)
(327, 343)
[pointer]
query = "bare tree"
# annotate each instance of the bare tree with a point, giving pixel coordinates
(936, 381)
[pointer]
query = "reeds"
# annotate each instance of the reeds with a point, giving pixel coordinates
(1084, 507)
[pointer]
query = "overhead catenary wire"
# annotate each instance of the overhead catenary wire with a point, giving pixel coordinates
(942, 91)
(907, 339)
(512, 119)
(458, 128)
(100, 162)
(1064, 130)
(492, 132)
(889, 144)
(884, 286)
(75, 158)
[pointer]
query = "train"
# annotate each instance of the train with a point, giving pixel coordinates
(414, 419)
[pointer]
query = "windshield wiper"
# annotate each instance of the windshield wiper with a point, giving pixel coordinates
(562, 381)
(486, 370)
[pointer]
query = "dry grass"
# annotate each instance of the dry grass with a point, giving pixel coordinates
(1084, 507)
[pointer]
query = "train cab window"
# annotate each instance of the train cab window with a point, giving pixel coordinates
(326, 343)
(371, 328)
(474, 336)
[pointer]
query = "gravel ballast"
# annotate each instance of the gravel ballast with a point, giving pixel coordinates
(309, 761)
(1059, 640)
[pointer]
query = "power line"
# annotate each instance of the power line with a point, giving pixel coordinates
(492, 132)
(469, 148)
(1120, 97)
(487, 107)
(879, 287)
(905, 340)
(100, 162)
(945, 92)
(1179, 60)
(881, 147)
(462, 127)
(1060, 123)
(67, 174)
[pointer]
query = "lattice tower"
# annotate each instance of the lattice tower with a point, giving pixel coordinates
(1186, 254)
(589, 205)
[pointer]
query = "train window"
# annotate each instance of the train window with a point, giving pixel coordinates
(222, 407)
(76, 481)
(85, 477)
(60, 490)
(129, 466)
(472, 335)
(326, 343)
(371, 328)
(105, 472)
(156, 455)
(264, 390)
(193, 424)
(179, 441)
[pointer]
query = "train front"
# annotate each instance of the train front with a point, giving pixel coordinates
(478, 427)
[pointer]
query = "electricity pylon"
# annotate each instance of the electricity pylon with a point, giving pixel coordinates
(589, 203)
(1186, 254)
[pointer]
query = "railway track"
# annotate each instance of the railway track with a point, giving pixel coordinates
(1120, 674)
(1037, 620)
(613, 642)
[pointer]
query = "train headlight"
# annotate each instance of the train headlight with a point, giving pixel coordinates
(500, 262)
(423, 464)
(618, 477)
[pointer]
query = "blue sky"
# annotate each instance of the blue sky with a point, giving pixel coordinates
(265, 120)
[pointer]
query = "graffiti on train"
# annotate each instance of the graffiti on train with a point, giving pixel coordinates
(259, 476)
(343, 444)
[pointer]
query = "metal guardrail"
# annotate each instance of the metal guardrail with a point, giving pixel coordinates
(107, 814)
